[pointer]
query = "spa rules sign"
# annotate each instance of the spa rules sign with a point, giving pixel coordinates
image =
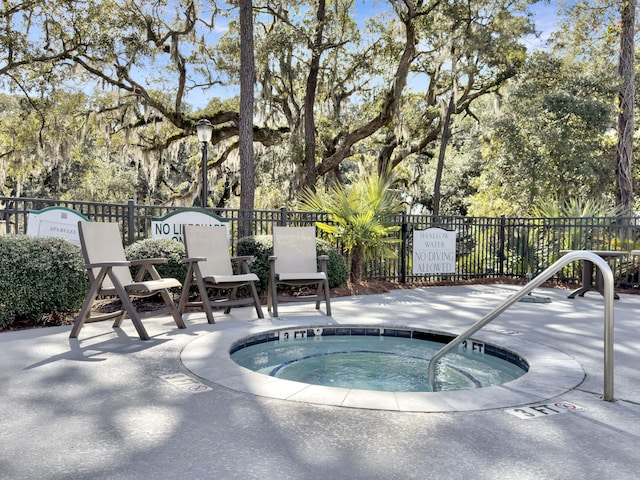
(434, 251)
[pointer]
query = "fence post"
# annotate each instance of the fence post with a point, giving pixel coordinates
(131, 220)
(403, 248)
(283, 217)
(501, 244)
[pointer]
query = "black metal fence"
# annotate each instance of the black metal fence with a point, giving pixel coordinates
(485, 247)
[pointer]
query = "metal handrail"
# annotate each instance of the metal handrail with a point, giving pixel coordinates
(607, 275)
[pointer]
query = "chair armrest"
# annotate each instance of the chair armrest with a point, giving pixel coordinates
(243, 258)
(147, 266)
(120, 263)
(242, 262)
(194, 259)
(149, 261)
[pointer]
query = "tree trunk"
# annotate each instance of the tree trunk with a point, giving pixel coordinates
(356, 264)
(624, 150)
(444, 142)
(310, 100)
(247, 75)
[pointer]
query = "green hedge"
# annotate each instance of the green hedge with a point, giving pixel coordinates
(261, 247)
(39, 276)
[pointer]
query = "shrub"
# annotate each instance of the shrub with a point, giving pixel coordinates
(172, 250)
(336, 266)
(39, 276)
(261, 247)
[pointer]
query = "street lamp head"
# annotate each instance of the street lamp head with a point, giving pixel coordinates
(204, 128)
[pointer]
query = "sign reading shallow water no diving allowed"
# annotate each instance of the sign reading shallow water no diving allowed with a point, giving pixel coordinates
(434, 251)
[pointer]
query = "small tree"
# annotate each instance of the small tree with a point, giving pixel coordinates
(571, 236)
(359, 215)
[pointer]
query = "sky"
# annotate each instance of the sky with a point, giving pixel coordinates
(546, 19)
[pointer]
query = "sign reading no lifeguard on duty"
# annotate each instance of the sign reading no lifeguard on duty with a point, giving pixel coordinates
(170, 226)
(434, 251)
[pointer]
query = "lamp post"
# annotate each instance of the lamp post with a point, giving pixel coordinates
(204, 128)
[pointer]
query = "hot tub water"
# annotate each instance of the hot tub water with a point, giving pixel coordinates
(394, 360)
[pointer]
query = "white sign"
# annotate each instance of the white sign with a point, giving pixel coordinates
(170, 226)
(58, 222)
(535, 411)
(434, 251)
(186, 383)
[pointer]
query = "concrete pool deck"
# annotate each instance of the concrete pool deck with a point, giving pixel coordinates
(109, 406)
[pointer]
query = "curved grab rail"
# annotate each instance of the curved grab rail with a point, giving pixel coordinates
(536, 282)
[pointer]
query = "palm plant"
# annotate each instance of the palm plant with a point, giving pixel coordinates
(570, 226)
(571, 233)
(359, 215)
